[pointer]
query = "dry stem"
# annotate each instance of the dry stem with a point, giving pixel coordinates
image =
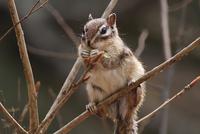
(31, 11)
(33, 108)
(186, 88)
(121, 92)
(109, 8)
(25, 109)
(11, 120)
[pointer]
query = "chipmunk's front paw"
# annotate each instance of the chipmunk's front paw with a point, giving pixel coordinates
(94, 52)
(85, 54)
(131, 82)
(91, 107)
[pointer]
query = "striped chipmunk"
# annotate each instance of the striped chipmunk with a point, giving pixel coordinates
(115, 68)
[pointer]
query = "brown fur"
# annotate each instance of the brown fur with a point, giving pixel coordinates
(117, 67)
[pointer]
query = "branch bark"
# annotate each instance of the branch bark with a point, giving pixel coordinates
(65, 91)
(186, 88)
(11, 120)
(109, 8)
(32, 100)
(31, 11)
(123, 91)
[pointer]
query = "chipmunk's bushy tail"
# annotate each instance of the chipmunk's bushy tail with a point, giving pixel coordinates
(126, 127)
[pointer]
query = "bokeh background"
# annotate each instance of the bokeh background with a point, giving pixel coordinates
(52, 54)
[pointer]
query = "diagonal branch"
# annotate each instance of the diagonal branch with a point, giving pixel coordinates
(123, 91)
(32, 100)
(31, 11)
(11, 120)
(66, 91)
(109, 8)
(186, 88)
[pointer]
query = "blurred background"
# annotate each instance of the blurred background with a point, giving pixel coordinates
(52, 54)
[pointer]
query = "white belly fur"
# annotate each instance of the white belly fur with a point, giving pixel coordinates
(108, 80)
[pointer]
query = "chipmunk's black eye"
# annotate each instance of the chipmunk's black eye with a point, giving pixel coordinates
(85, 30)
(103, 30)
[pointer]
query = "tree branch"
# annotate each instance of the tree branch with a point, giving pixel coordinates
(32, 100)
(11, 120)
(123, 91)
(109, 8)
(25, 109)
(186, 88)
(31, 11)
(67, 90)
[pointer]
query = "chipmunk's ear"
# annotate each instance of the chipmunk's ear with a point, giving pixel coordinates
(111, 20)
(90, 17)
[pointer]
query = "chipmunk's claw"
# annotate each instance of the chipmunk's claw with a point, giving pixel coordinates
(91, 107)
(85, 54)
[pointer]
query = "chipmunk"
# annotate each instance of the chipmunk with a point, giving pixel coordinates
(117, 67)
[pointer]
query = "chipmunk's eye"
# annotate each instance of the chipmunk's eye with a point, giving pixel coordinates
(103, 30)
(84, 31)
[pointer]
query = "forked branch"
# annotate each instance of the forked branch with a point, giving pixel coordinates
(32, 99)
(31, 11)
(11, 120)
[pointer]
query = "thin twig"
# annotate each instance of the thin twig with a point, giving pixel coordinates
(186, 88)
(167, 54)
(11, 120)
(33, 108)
(25, 109)
(31, 11)
(123, 91)
(66, 95)
(141, 42)
(109, 8)
(61, 98)
(23, 114)
(60, 20)
(144, 124)
(65, 91)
